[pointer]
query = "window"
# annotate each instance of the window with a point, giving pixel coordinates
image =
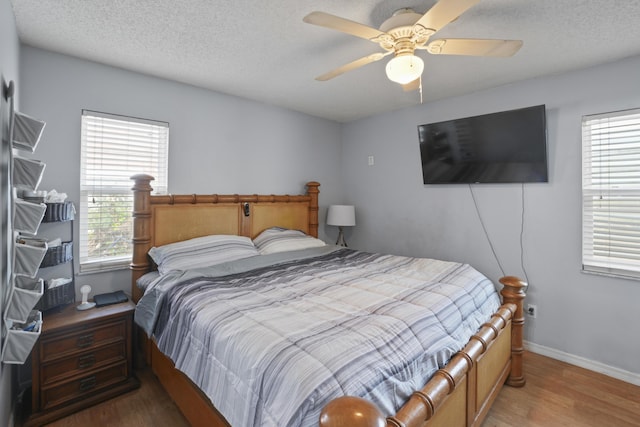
(611, 193)
(113, 149)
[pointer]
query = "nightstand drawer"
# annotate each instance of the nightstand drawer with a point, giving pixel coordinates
(85, 361)
(75, 389)
(82, 357)
(82, 339)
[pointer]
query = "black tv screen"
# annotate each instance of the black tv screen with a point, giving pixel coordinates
(504, 147)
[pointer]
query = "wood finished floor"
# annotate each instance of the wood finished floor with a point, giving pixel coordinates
(556, 394)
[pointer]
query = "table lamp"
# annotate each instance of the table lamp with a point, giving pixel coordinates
(341, 216)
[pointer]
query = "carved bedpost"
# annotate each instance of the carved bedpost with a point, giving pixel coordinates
(349, 411)
(141, 230)
(313, 191)
(514, 292)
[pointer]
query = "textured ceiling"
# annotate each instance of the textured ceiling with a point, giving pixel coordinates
(262, 50)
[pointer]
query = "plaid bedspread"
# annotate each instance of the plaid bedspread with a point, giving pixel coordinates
(271, 346)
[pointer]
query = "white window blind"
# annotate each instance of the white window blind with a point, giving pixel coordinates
(113, 149)
(611, 193)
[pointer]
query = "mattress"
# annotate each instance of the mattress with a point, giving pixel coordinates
(273, 338)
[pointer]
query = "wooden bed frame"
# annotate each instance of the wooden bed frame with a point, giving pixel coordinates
(458, 395)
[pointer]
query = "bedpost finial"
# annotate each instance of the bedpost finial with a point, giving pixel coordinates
(514, 282)
(350, 411)
(312, 187)
(142, 182)
(142, 177)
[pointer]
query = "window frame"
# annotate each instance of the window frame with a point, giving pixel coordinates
(611, 194)
(123, 162)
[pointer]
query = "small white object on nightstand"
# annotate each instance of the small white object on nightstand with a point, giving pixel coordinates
(85, 305)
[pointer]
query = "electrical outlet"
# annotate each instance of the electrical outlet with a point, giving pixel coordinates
(532, 310)
(371, 161)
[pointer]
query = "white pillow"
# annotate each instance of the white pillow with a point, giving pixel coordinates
(278, 239)
(202, 252)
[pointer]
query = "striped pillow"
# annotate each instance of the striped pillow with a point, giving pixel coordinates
(202, 252)
(278, 239)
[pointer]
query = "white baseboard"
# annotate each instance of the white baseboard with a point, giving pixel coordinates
(620, 374)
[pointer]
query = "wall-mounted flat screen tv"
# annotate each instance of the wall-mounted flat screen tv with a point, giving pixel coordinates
(504, 147)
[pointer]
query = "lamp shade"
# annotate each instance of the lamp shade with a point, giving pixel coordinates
(341, 215)
(404, 69)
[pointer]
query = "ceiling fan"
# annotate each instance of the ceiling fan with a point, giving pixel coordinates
(407, 31)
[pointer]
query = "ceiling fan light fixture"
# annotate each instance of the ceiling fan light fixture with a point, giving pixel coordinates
(404, 68)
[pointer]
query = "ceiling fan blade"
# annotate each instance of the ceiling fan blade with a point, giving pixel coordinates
(474, 47)
(341, 24)
(352, 65)
(411, 86)
(443, 12)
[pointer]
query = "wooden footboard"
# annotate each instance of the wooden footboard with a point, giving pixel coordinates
(461, 394)
(458, 395)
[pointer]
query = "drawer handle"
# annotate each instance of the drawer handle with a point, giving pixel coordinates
(86, 361)
(87, 383)
(84, 340)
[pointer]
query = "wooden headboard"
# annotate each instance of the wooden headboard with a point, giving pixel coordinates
(162, 219)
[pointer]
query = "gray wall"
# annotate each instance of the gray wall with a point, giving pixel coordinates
(593, 317)
(9, 51)
(218, 143)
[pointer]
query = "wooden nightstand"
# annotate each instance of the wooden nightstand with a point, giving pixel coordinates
(81, 358)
